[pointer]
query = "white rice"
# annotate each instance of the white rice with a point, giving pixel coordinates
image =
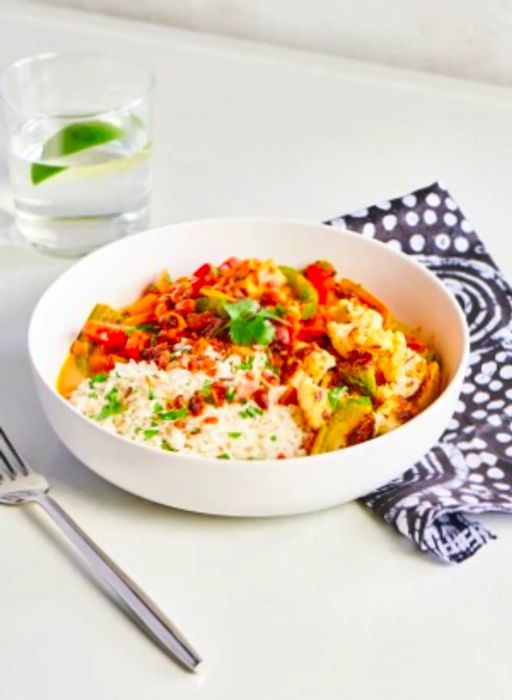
(144, 391)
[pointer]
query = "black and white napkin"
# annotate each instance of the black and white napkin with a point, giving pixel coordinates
(469, 471)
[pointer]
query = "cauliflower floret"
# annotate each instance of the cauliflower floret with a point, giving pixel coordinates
(363, 329)
(411, 374)
(269, 274)
(408, 375)
(318, 363)
(313, 399)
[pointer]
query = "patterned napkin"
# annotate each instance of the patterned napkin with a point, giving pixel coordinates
(469, 471)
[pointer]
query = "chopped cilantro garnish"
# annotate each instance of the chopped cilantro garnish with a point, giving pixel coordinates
(151, 394)
(173, 415)
(167, 447)
(251, 412)
(273, 438)
(224, 455)
(148, 434)
(230, 394)
(112, 406)
(280, 310)
(234, 435)
(248, 323)
(247, 364)
(93, 394)
(157, 407)
(98, 379)
(335, 395)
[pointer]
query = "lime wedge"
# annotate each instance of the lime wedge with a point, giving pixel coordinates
(71, 139)
(40, 172)
(79, 136)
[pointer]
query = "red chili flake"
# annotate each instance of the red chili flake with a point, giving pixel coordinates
(178, 402)
(269, 298)
(359, 358)
(218, 392)
(380, 377)
(211, 420)
(260, 397)
(196, 405)
(289, 397)
(281, 455)
(180, 424)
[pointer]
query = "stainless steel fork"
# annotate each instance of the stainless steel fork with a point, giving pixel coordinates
(19, 484)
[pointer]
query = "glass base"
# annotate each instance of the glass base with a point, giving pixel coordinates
(73, 237)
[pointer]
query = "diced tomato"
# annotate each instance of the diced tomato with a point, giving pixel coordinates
(110, 339)
(135, 344)
(289, 397)
(416, 345)
(321, 276)
(203, 270)
(309, 333)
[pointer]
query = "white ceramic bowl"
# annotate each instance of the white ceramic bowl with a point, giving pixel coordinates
(117, 273)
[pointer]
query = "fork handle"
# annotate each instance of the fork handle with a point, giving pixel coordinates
(142, 607)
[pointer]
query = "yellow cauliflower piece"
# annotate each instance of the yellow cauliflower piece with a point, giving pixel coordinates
(318, 363)
(312, 399)
(362, 329)
(392, 413)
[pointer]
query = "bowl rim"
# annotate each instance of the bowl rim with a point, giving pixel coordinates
(402, 430)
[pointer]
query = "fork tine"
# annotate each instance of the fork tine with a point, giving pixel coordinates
(7, 469)
(15, 465)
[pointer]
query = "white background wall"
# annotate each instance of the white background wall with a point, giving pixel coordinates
(467, 38)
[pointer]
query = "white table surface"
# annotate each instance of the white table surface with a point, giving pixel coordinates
(328, 605)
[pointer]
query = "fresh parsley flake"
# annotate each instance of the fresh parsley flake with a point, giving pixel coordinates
(98, 379)
(151, 394)
(224, 455)
(273, 438)
(113, 405)
(157, 407)
(230, 394)
(234, 435)
(280, 310)
(173, 415)
(167, 447)
(251, 412)
(148, 434)
(93, 394)
(247, 364)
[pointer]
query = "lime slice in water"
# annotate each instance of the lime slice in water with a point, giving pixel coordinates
(71, 139)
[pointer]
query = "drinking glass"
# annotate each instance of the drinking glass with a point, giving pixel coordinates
(78, 146)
